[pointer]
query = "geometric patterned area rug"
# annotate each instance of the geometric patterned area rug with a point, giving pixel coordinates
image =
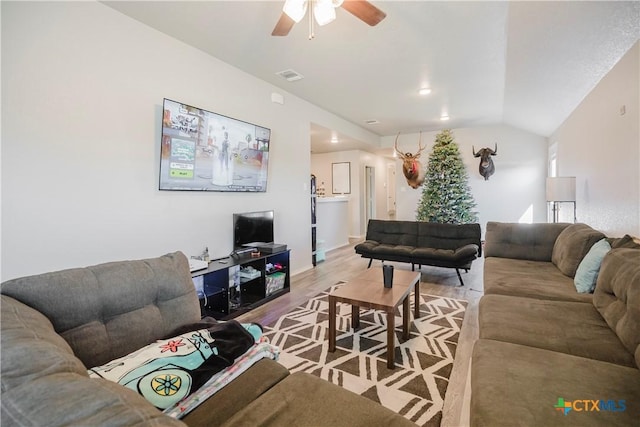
(415, 389)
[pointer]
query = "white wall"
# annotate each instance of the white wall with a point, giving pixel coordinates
(515, 193)
(601, 148)
(332, 229)
(82, 90)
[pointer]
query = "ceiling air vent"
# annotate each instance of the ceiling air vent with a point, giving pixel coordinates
(290, 75)
(372, 122)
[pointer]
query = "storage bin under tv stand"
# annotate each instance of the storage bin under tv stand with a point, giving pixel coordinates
(219, 295)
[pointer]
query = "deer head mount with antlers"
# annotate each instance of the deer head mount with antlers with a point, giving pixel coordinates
(411, 167)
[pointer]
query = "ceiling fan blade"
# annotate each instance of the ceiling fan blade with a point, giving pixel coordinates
(365, 11)
(284, 25)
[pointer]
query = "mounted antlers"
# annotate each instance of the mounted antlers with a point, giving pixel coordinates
(411, 167)
(486, 167)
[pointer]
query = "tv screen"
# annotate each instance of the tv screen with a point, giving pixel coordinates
(205, 151)
(252, 227)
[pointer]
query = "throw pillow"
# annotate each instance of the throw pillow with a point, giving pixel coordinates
(572, 245)
(587, 272)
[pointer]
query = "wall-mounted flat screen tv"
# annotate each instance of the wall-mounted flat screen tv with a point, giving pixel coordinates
(205, 151)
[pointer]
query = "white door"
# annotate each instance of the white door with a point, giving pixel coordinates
(391, 190)
(370, 193)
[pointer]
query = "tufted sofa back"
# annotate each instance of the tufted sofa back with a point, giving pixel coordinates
(617, 296)
(107, 311)
(403, 233)
(533, 242)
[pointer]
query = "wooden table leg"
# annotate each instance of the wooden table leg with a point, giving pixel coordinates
(406, 313)
(332, 323)
(416, 292)
(355, 317)
(391, 316)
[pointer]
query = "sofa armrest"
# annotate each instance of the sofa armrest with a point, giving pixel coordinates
(522, 241)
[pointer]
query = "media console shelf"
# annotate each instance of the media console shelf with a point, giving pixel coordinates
(238, 284)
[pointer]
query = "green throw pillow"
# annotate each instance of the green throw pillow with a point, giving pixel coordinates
(587, 272)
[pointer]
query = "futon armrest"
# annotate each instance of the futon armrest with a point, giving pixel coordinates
(366, 247)
(467, 251)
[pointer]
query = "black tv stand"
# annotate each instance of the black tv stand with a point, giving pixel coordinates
(236, 284)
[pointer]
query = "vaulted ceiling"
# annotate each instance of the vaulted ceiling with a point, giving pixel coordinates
(524, 64)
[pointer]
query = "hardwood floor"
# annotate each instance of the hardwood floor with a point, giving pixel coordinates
(343, 264)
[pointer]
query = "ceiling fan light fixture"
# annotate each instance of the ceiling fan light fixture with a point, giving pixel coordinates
(295, 9)
(324, 12)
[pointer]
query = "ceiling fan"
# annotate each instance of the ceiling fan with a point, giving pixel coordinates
(324, 12)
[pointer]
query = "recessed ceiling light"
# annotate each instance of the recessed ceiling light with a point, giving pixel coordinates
(334, 140)
(444, 117)
(424, 91)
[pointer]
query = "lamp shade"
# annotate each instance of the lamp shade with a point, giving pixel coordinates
(561, 189)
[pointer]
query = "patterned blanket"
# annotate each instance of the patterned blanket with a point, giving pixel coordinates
(262, 350)
(177, 373)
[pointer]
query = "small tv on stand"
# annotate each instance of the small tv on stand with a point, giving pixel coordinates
(252, 229)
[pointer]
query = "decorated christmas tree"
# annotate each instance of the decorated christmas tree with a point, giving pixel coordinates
(446, 196)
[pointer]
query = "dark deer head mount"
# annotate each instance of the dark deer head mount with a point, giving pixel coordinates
(411, 167)
(486, 168)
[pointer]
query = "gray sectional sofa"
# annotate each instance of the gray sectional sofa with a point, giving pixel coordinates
(548, 355)
(422, 243)
(56, 325)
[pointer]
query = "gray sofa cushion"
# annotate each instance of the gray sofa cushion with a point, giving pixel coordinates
(448, 236)
(249, 386)
(522, 241)
(568, 327)
(28, 335)
(532, 279)
(572, 245)
(617, 296)
(382, 250)
(515, 385)
(109, 310)
(327, 405)
(465, 253)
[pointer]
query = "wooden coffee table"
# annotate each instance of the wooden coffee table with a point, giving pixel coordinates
(367, 290)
